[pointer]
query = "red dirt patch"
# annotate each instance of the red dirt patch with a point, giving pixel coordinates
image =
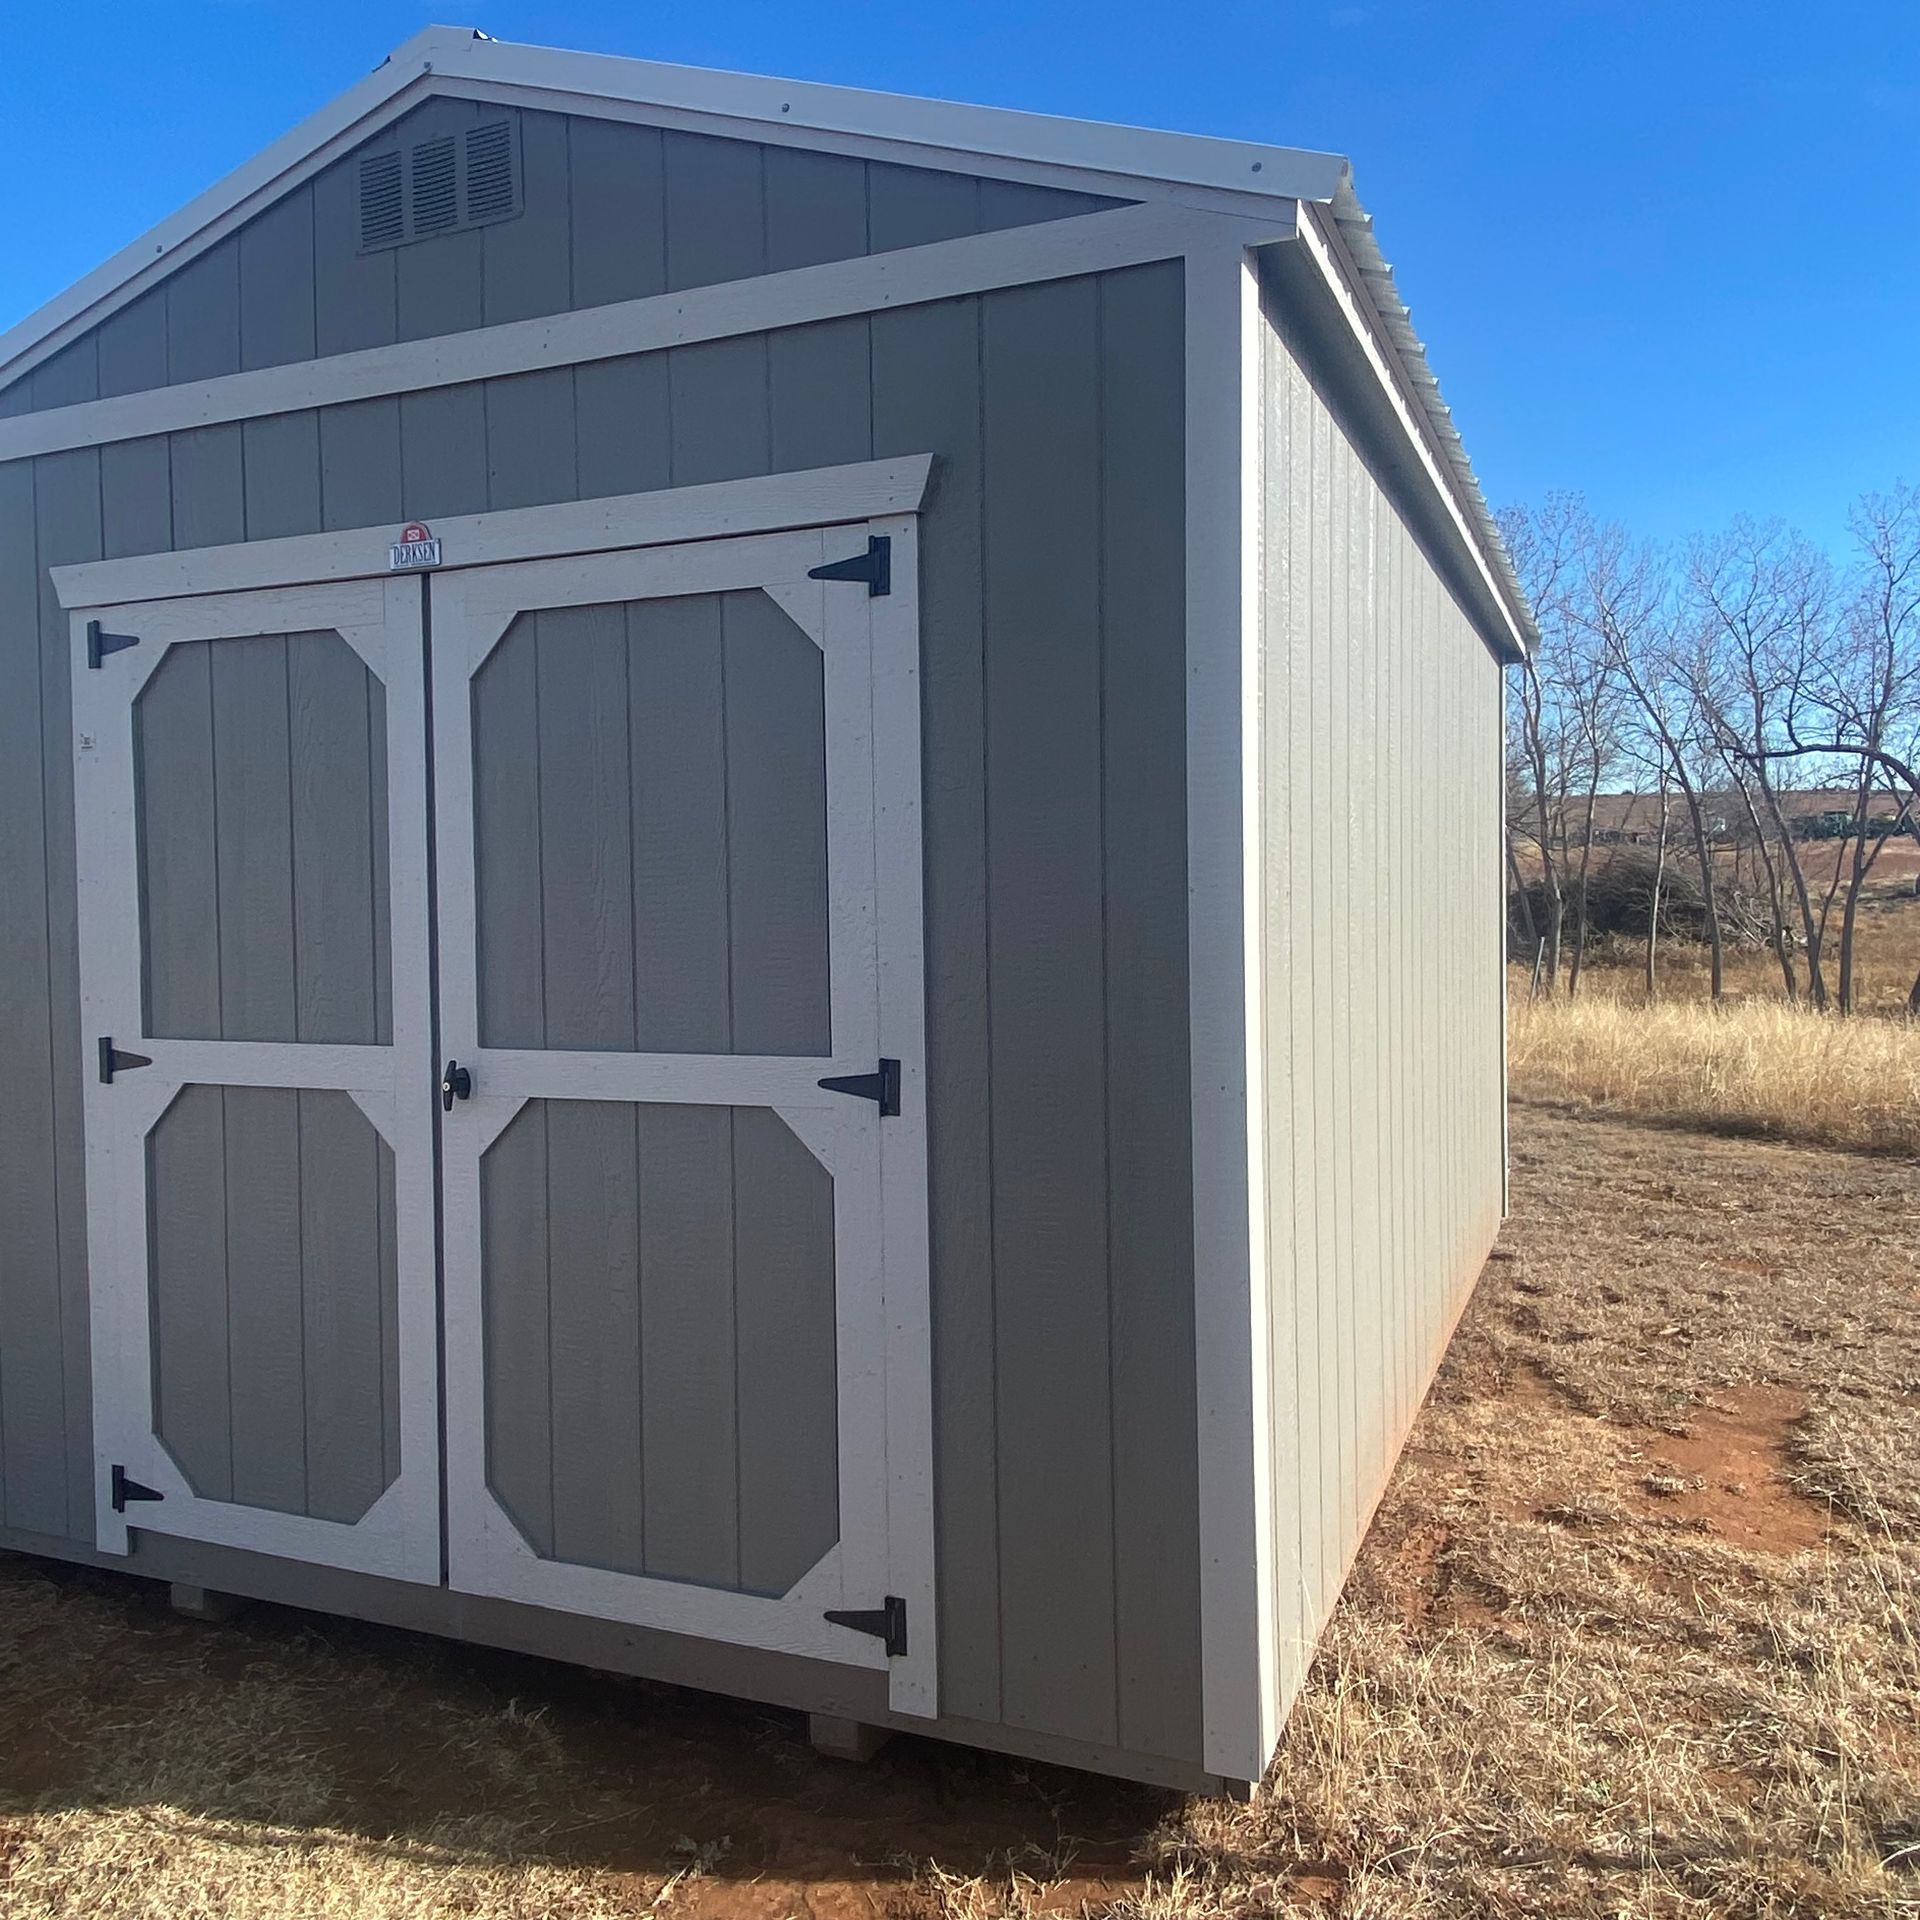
(1725, 1475)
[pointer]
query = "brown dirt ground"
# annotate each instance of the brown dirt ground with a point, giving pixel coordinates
(1640, 1594)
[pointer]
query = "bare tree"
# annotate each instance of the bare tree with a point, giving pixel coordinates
(1870, 689)
(1762, 598)
(1654, 891)
(1593, 727)
(1779, 938)
(1846, 692)
(1540, 745)
(1754, 663)
(1628, 604)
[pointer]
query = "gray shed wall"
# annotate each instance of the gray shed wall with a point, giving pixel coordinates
(1053, 675)
(1383, 967)
(613, 211)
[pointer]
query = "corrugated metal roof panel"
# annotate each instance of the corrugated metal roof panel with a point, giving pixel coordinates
(1355, 227)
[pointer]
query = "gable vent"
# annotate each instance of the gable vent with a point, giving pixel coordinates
(440, 185)
(382, 217)
(436, 201)
(491, 193)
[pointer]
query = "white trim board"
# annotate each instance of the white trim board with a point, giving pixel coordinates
(382, 97)
(398, 1536)
(1237, 1627)
(769, 503)
(1387, 370)
(924, 132)
(1123, 155)
(885, 1541)
(1170, 171)
(867, 283)
(860, 146)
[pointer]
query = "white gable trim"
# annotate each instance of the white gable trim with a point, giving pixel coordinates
(1082, 155)
(859, 146)
(382, 97)
(1511, 639)
(1195, 171)
(1123, 157)
(867, 283)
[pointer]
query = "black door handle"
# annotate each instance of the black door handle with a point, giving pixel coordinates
(455, 1084)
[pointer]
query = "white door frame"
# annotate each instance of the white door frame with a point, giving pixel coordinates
(392, 1085)
(879, 497)
(870, 646)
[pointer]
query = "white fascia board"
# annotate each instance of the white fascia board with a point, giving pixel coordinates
(1045, 140)
(1357, 311)
(1083, 154)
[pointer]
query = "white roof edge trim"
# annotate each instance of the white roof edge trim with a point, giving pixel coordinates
(1039, 140)
(1191, 159)
(463, 53)
(257, 178)
(1374, 286)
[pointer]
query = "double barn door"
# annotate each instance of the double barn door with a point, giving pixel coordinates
(506, 1144)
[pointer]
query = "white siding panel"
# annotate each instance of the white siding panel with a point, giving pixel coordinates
(1383, 1086)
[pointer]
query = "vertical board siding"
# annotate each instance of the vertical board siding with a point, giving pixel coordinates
(1054, 794)
(1149, 1198)
(67, 529)
(651, 797)
(611, 212)
(660, 1341)
(133, 346)
(33, 1432)
(1046, 964)
(280, 462)
(263, 817)
(272, 1282)
(1379, 927)
(277, 304)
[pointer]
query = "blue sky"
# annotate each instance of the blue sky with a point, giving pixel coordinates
(1663, 251)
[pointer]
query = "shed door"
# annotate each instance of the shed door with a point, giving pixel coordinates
(250, 799)
(678, 874)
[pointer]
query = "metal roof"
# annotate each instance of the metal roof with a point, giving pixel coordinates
(1090, 153)
(1355, 226)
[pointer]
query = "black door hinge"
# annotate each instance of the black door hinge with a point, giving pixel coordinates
(886, 1622)
(882, 1087)
(125, 1490)
(113, 1061)
(875, 567)
(100, 643)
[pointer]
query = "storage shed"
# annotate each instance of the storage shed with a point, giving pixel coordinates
(750, 914)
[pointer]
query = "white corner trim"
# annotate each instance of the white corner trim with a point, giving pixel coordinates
(1385, 367)
(1238, 1663)
(869, 283)
(770, 503)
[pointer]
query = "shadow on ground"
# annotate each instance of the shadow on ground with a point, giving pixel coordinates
(280, 1729)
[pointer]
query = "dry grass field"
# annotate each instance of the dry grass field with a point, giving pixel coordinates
(1636, 1631)
(1757, 1064)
